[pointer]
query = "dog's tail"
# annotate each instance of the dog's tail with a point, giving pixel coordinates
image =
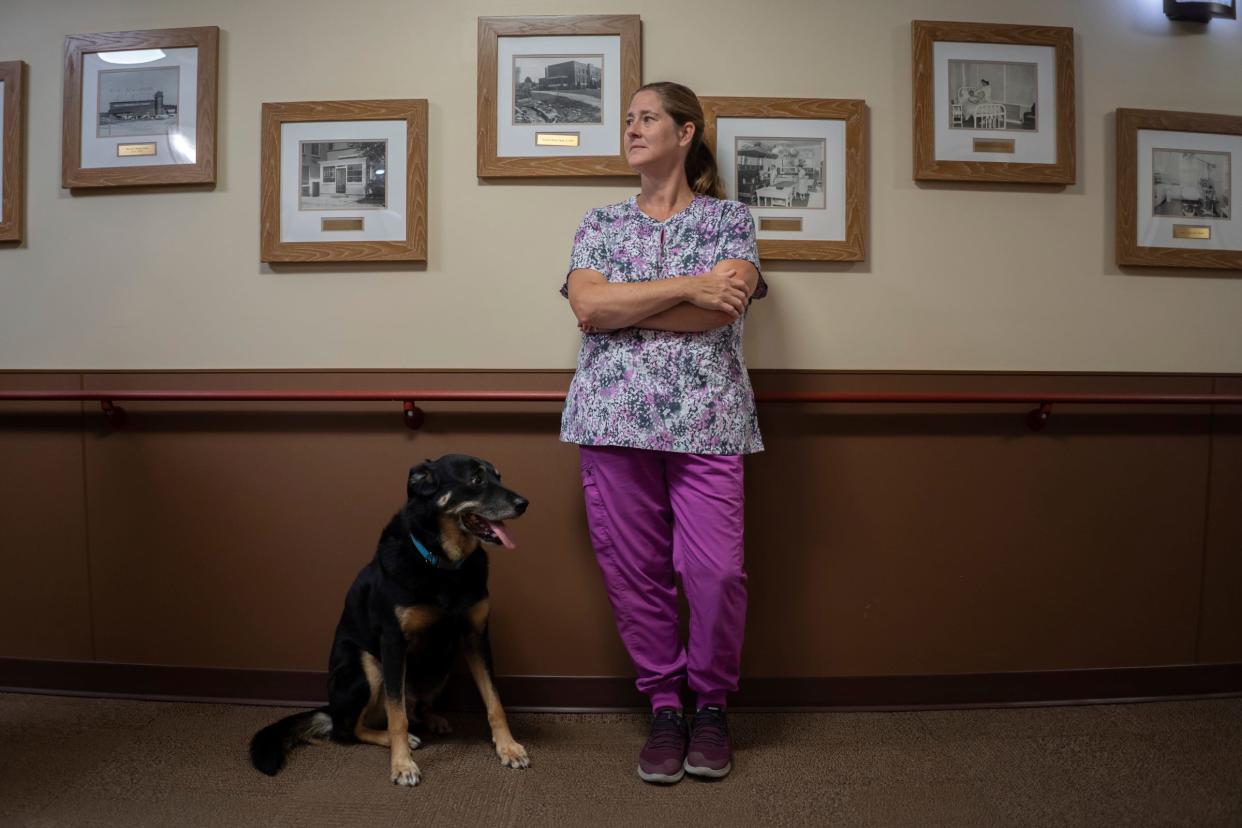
(272, 744)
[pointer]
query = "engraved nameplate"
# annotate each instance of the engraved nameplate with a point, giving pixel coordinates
(556, 139)
(1190, 231)
(130, 150)
(995, 145)
(786, 224)
(330, 224)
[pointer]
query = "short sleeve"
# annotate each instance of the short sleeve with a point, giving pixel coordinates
(737, 240)
(590, 248)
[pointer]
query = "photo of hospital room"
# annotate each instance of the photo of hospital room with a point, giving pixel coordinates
(993, 95)
(781, 172)
(1190, 184)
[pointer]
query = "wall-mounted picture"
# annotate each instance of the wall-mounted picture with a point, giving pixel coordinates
(344, 181)
(1190, 184)
(553, 93)
(12, 151)
(1176, 182)
(992, 95)
(343, 175)
(800, 164)
(557, 89)
(780, 172)
(138, 101)
(993, 102)
(140, 108)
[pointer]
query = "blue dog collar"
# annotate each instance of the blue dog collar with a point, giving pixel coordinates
(429, 556)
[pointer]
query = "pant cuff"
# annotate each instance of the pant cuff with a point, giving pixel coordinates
(665, 698)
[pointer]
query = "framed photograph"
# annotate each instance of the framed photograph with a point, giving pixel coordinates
(140, 108)
(553, 93)
(12, 160)
(801, 166)
(993, 102)
(1178, 177)
(344, 181)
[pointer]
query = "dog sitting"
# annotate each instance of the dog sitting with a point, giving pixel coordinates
(421, 600)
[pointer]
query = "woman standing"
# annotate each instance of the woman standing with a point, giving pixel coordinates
(662, 408)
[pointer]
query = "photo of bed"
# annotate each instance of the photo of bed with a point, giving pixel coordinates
(992, 95)
(1190, 184)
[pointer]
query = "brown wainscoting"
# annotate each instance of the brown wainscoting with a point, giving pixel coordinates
(590, 693)
(881, 540)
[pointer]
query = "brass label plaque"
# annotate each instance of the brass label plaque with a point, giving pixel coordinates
(1190, 231)
(129, 150)
(330, 224)
(995, 145)
(786, 224)
(557, 139)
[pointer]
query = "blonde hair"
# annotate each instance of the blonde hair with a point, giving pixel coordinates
(683, 106)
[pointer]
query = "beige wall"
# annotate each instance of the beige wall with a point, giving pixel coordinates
(957, 277)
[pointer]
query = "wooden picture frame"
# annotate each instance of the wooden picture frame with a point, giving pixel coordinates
(953, 144)
(850, 183)
(335, 116)
(495, 150)
(137, 171)
(12, 151)
(1194, 233)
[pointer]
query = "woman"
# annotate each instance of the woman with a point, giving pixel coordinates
(662, 409)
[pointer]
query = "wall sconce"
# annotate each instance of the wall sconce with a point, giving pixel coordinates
(1200, 12)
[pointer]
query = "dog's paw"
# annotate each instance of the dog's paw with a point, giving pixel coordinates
(512, 755)
(415, 742)
(437, 724)
(405, 774)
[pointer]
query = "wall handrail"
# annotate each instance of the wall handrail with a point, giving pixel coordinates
(414, 416)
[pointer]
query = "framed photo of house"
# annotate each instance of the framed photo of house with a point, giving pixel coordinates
(1178, 178)
(553, 93)
(12, 156)
(993, 102)
(344, 181)
(801, 166)
(140, 108)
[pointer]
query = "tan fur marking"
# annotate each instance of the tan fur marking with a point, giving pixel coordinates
(455, 543)
(510, 752)
(478, 615)
(416, 619)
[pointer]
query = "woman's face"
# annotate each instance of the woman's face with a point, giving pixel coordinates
(652, 138)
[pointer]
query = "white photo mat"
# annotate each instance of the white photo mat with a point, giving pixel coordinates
(518, 140)
(827, 224)
(176, 146)
(388, 224)
(1029, 147)
(1, 152)
(1157, 231)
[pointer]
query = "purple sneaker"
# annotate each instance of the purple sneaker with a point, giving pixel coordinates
(710, 752)
(661, 758)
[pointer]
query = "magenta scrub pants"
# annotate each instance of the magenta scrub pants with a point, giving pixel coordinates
(656, 516)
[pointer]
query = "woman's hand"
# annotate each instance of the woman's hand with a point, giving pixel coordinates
(720, 289)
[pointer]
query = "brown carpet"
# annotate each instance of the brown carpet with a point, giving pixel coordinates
(81, 762)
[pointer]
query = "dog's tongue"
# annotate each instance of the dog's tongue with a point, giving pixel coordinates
(498, 527)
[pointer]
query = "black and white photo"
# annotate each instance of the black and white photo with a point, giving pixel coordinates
(343, 175)
(1191, 184)
(138, 101)
(993, 95)
(781, 172)
(557, 89)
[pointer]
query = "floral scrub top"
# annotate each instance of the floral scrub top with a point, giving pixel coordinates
(663, 390)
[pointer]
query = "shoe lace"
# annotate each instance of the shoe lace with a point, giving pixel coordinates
(710, 727)
(667, 730)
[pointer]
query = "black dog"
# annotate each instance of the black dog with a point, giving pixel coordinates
(420, 600)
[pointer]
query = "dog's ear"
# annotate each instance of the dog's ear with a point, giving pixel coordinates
(422, 481)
